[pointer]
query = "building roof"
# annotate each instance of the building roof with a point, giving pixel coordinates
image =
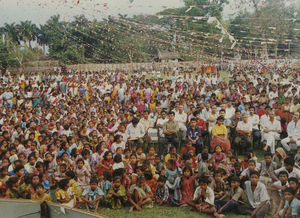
(168, 55)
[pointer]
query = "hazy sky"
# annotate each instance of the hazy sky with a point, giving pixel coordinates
(39, 11)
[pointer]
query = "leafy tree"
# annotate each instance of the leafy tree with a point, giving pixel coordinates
(6, 57)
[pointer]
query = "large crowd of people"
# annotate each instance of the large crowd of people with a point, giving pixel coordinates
(172, 137)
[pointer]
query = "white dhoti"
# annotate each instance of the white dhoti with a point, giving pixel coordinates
(271, 138)
(288, 145)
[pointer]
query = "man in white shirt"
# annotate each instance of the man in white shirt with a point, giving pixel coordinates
(293, 131)
(271, 131)
(136, 133)
(273, 93)
(254, 120)
(263, 120)
(181, 118)
(162, 119)
(146, 121)
(230, 110)
(204, 114)
(164, 102)
(243, 139)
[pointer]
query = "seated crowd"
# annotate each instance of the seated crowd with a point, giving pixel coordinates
(118, 139)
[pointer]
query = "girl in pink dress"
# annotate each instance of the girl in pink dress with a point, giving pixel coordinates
(188, 185)
(218, 156)
(82, 173)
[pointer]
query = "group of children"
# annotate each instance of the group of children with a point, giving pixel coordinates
(216, 183)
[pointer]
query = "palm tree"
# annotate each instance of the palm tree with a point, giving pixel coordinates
(27, 32)
(11, 32)
(42, 37)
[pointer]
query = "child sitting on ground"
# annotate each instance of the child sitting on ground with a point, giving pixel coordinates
(188, 185)
(204, 198)
(162, 191)
(61, 173)
(116, 196)
(235, 195)
(105, 183)
(258, 197)
(291, 205)
(218, 156)
(277, 192)
(92, 195)
(173, 174)
(65, 195)
(82, 173)
(70, 175)
(159, 166)
(12, 188)
(141, 194)
(40, 194)
(294, 184)
(218, 185)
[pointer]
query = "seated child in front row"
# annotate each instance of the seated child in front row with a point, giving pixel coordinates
(218, 185)
(258, 197)
(141, 195)
(294, 184)
(92, 195)
(105, 183)
(204, 198)
(65, 195)
(188, 184)
(70, 175)
(162, 191)
(291, 205)
(277, 192)
(116, 196)
(40, 193)
(235, 195)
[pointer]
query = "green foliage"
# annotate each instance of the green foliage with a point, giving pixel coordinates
(268, 27)
(137, 39)
(6, 57)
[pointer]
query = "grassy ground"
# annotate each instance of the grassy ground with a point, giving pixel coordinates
(158, 212)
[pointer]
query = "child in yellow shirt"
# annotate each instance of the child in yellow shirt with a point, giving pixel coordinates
(40, 193)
